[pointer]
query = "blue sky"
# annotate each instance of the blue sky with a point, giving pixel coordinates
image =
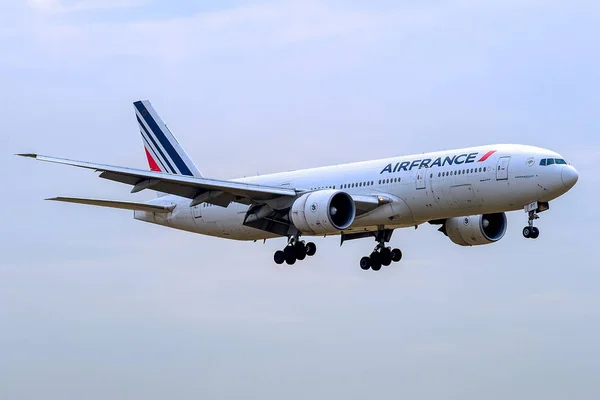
(97, 305)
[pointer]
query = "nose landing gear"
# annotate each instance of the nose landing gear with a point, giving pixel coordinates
(530, 231)
(296, 250)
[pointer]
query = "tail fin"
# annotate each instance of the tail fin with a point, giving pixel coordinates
(163, 151)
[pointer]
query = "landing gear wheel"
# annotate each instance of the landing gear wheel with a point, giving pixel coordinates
(311, 249)
(290, 255)
(396, 255)
(300, 251)
(279, 257)
(527, 232)
(535, 232)
(365, 263)
(386, 256)
(375, 260)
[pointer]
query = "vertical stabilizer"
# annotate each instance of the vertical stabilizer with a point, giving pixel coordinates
(163, 151)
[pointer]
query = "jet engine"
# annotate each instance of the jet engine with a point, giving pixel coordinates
(475, 230)
(323, 211)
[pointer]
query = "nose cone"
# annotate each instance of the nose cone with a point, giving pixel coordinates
(569, 176)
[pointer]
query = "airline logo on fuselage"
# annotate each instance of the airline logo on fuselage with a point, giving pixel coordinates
(438, 162)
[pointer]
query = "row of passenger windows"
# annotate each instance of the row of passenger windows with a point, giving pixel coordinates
(356, 184)
(550, 161)
(461, 172)
(323, 187)
(397, 180)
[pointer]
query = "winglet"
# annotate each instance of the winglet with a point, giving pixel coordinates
(30, 155)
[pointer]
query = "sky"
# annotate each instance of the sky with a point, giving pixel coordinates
(96, 305)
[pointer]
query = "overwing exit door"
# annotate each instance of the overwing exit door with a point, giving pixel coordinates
(502, 168)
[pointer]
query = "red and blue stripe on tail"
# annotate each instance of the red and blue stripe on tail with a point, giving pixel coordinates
(163, 151)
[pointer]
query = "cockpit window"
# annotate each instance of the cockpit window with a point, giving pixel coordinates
(560, 161)
(550, 161)
(543, 161)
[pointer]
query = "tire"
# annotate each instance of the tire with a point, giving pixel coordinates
(300, 251)
(535, 232)
(290, 261)
(375, 260)
(311, 249)
(386, 256)
(365, 263)
(279, 257)
(290, 255)
(396, 255)
(527, 232)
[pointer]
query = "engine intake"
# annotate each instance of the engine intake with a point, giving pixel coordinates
(476, 230)
(323, 211)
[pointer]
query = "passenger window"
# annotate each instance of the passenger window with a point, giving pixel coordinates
(550, 161)
(484, 169)
(431, 175)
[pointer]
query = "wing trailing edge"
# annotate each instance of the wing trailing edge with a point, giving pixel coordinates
(123, 205)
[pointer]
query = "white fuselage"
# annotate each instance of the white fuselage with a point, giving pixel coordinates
(424, 187)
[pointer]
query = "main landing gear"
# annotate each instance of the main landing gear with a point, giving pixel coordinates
(382, 255)
(296, 250)
(530, 231)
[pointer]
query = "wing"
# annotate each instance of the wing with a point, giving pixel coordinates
(220, 192)
(369, 202)
(123, 205)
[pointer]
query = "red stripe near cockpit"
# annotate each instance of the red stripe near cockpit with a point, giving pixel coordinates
(486, 155)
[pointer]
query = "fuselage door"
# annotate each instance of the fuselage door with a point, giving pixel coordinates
(502, 168)
(421, 174)
(197, 212)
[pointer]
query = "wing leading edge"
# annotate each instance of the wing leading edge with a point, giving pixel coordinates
(220, 192)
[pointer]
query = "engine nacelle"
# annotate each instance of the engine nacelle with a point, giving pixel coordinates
(475, 230)
(323, 211)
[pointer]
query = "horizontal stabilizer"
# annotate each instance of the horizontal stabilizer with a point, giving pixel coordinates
(124, 205)
(180, 185)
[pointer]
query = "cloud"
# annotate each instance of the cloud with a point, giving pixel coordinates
(249, 27)
(59, 6)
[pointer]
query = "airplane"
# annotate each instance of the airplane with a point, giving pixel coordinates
(466, 192)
